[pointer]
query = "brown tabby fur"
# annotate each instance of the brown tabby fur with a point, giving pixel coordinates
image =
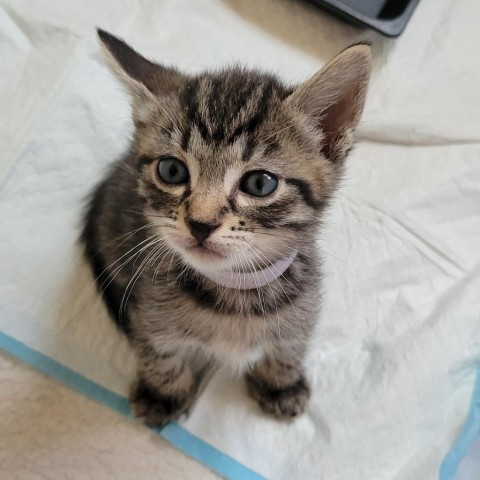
(220, 125)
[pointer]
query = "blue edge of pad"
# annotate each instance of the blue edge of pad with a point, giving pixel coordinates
(466, 437)
(193, 446)
(178, 436)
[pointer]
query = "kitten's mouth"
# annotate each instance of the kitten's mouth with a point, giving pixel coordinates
(204, 251)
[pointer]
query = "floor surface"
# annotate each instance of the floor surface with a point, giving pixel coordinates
(48, 431)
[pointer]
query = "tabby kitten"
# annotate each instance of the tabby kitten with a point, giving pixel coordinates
(202, 239)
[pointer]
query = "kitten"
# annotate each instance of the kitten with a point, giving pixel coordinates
(202, 239)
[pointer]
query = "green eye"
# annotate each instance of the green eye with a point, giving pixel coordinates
(173, 171)
(259, 183)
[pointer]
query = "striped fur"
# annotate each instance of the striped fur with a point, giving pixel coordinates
(221, 125)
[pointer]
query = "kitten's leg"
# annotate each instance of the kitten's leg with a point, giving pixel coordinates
(278, 384)
(166, 386)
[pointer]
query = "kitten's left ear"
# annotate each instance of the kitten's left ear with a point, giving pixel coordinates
(333, 99)
(144, 79)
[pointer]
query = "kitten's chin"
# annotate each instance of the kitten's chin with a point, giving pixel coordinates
(206, 259)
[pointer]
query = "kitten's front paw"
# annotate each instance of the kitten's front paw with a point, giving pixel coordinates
(281, 402)
(155, 409)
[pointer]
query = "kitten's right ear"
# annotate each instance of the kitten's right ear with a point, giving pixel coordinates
(144, 79)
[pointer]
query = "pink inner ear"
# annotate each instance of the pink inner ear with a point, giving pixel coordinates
(339, 116)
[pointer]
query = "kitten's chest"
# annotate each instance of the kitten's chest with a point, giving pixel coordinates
(224, 333)
(236, 341)
(228, 333)
(226, 323)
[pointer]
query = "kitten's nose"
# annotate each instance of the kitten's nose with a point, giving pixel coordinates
(201, 230)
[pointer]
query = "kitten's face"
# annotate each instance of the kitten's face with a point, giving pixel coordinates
(234, 167)
(231, 173)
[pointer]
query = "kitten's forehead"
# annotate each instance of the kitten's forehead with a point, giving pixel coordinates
(226, 109)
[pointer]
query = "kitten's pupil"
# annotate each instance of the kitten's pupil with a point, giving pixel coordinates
(173, 171)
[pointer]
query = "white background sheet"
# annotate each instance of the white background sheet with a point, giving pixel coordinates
(392, 361)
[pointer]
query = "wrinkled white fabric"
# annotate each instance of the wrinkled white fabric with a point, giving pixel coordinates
(392, 362)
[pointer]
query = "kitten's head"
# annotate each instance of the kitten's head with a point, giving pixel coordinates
(235, 167)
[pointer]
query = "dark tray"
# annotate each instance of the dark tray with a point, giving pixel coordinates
(389, 17)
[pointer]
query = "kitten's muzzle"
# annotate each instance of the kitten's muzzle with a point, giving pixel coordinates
(201, 230)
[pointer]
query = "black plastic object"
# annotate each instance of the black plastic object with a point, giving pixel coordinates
(389, 17)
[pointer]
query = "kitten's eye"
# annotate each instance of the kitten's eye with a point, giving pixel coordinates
(259, 183)
(173, 171)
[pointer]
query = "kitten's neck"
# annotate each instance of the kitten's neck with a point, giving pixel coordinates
(251, 280)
